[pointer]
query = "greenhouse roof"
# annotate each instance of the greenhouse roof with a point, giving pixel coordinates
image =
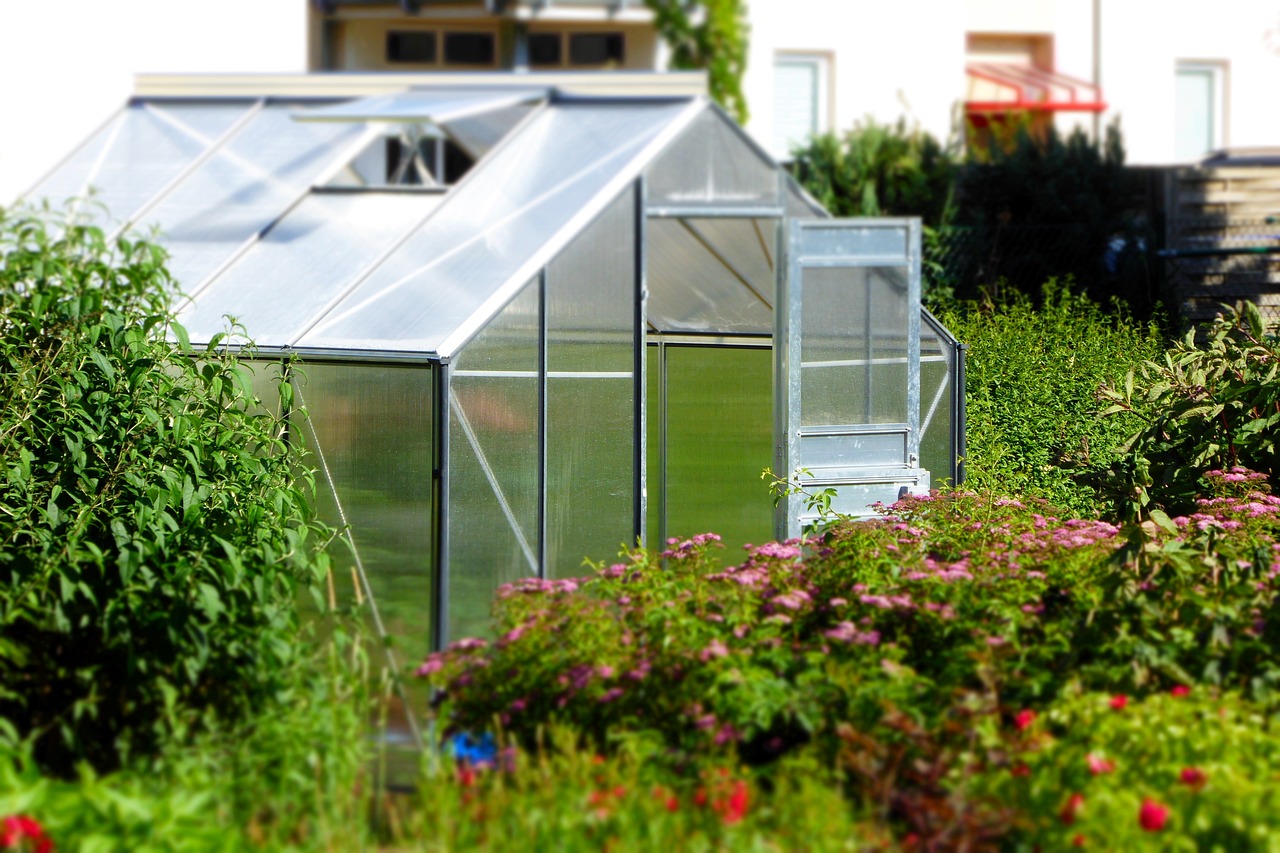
(270, 218)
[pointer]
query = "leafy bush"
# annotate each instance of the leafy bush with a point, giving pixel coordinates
(1202, 406)
(1033, 375)
(878, 170)
(1039, 206)
(155, 526)
(1191, 769)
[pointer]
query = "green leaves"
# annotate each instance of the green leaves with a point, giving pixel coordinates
(144, 500)
(1214, 401)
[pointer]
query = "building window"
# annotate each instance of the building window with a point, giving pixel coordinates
(544, 50)
(1199, 109)
(470, 48)
(417, 46)
(595, 48)
(801, 100)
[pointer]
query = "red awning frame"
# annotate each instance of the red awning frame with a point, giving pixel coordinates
(1031, 89)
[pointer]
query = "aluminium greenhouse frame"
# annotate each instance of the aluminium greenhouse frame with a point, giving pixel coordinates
(592, 233)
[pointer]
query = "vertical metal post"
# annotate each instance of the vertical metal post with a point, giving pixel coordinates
(661, 415)
(440, 417)
(913, 343)
(960, 441)
(785, 358)
(640, 325)
(542, 423)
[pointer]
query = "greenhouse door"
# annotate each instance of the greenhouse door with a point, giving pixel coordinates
(847, 352)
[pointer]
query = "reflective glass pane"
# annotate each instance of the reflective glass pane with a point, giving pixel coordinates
(590, 392)
(285, 280)
(711, 163)
(493, 463)
(435, 105)
(246, 184)
(692, 287)
(370, 428)
(937, 378)
(498, 226)
(719, 438)
(853, 349)
(137, 154)
(479, 133)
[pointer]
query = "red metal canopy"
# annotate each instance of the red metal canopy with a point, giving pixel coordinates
(998, 87)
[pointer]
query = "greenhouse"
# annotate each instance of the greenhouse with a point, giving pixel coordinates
(531, 325)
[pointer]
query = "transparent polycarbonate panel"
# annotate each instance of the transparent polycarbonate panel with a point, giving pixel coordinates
(719, 439)
(749, 246)
(800, 205)
(853, 347)
(283, 283)
(692, 290)
(512, 213)
(479, 133)
(137, 154)
(937, 409)
(712, 163)
(373, 427)
(434, 105)
(590, 392)
(245, 185)
(265, 378)
(845, 241)
(591, 290)
(494, 463)
(589, 471)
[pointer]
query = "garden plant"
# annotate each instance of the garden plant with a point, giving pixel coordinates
(1076, 648)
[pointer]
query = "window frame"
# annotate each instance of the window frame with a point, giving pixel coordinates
(823, 63)
(1219, 74)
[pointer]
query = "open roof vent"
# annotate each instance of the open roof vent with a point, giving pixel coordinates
(423, 138)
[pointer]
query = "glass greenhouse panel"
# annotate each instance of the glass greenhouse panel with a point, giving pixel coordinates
(434, 105)
(478, 134)
(591, 392)
(306, 261)
(854, 350)
(719, 437)
(496, 228)
(712, 163)
(137, 154)
(494, 463)
(692, 287)
(243, 186)
(800, 205)
(370, 428)
(937, 402)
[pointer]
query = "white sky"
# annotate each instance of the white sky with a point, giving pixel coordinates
(67, 65)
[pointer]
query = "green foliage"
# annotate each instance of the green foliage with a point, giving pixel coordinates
(288, 779)
(1038, 206)
(1032, 381)
(566, 796)
(1206, 760)
(1204, 405)
(155, 525)
(711, 35)
(879, 170)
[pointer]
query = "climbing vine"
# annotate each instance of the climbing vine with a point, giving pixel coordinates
(711, 35)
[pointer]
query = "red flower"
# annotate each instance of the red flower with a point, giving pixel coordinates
(734, 807)
(700, 797)
(1179, 690)
(1023, 719)
(673, 803)
(1077, 840)
(1099, 765)
(19, 828)
(1194, 777)
(1074, 803)
(1020, 769)
(1152, 816)
(1119, 701)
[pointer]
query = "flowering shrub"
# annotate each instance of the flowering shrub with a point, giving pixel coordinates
(1206, 404)
(886, 645)
(1194, 766)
